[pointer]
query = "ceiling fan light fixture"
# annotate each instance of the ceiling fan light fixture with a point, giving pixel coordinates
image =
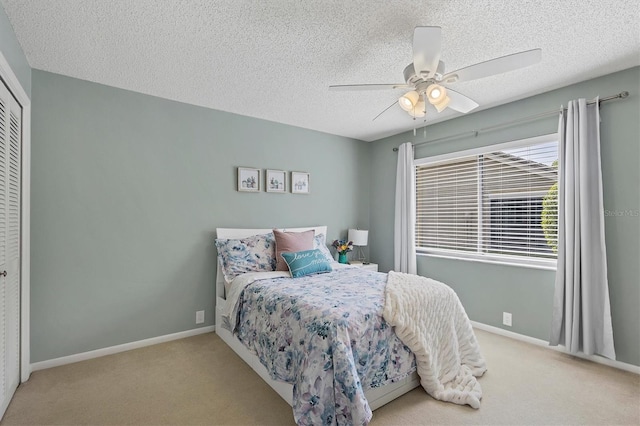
(440, 106)
(427, 73)
(419, 110)
(436, 94)
(409, 100)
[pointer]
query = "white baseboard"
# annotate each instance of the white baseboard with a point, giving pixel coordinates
(539, 342)
(181, 335)
(118, 348)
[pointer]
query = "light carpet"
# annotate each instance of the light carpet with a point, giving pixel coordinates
(200, 380)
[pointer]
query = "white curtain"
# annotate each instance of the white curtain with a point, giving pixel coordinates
(404, 236)
(581, 312)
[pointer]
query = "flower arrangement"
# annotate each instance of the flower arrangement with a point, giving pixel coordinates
(342, 246)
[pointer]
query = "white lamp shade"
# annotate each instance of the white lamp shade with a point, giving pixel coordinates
(436, 93)
(442, 104)
(419, 110)
(409, 100)
(358, 237)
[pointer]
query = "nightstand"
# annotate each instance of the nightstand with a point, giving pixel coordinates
(367, 266)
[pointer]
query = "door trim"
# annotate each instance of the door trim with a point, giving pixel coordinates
(16, 89)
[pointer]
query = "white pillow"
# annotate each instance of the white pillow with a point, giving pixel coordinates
(320, 243)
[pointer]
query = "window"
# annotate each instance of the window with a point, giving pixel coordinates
(494, 203)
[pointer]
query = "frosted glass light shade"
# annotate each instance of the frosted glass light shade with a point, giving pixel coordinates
(358, 237)
(419, 110)
(436, 93)
(409, 100)
(442, 104)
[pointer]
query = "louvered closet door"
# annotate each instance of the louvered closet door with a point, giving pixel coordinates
(10, 147)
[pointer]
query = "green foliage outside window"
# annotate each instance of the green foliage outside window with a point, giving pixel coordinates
(550, 215)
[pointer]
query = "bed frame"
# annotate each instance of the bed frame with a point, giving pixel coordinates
(376, 397)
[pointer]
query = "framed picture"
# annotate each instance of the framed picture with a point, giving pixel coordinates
(276, 181)
(300, 183)
(248, 179)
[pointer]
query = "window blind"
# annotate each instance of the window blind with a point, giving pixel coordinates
(498, 202)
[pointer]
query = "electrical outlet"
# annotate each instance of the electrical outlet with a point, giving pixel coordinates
(506, 318)
(199, 317)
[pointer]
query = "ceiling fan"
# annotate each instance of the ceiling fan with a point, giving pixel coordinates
(428, 83)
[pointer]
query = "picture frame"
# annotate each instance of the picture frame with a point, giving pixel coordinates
(300, 182)
(276, 181)
(248, 179)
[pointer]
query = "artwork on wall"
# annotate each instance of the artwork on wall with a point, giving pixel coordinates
(248, 179)
(299, 183)
(276, 181)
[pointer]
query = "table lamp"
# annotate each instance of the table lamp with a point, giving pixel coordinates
(359, 238)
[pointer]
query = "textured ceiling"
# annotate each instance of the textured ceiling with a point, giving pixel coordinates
(275, 59)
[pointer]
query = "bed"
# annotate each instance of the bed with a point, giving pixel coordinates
(364, 373)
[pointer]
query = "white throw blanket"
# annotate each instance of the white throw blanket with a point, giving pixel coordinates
(429, 318)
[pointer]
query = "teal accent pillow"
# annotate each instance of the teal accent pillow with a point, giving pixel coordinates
(306, 262)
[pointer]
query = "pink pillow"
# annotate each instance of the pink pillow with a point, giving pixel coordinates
(292, 242)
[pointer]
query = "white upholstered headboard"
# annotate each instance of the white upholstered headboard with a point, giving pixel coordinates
(228, 233)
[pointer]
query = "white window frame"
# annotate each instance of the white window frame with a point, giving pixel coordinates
(501, 259)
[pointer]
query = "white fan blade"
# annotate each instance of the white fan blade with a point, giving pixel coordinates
(494, 66)
(460, 102)
(426, 50)
(369, 86)
(385, 110)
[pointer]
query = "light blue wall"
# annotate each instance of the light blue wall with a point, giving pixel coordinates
(127, 191)
(12, 52)
(487, 290)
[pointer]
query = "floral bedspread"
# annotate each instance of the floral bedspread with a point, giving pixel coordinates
(324, 334)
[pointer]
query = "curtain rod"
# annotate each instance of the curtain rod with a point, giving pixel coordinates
(620, 95)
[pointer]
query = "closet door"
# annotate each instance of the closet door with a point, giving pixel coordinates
(10, 147)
